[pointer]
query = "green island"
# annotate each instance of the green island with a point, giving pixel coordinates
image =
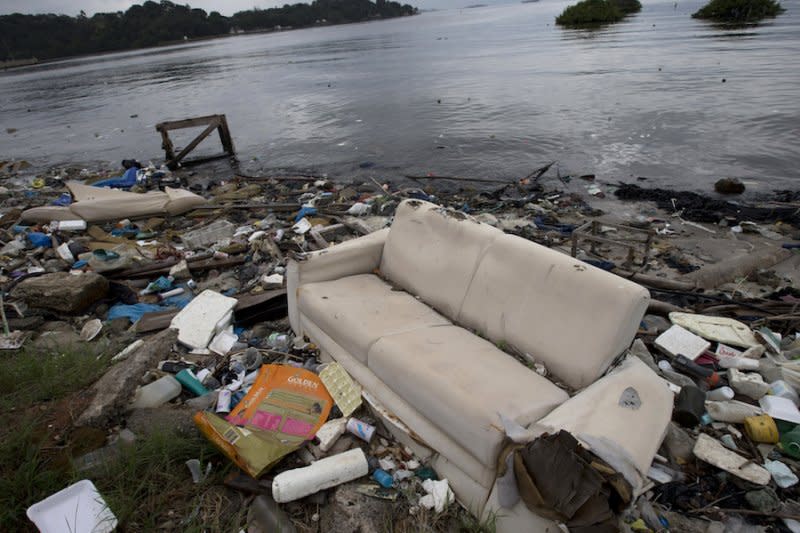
(590, 13)
(50, 36)
(739, 11)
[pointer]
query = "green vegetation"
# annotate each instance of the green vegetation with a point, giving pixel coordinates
(739, 11)
(588, 13)
(152, 23)
(148, 486)
(29, 376)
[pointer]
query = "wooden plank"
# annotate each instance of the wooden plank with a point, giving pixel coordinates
(186, 123)
(154, 321)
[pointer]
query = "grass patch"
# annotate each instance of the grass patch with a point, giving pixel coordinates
(592, 13)
(147, 486)
(33, 375)
(739, 11)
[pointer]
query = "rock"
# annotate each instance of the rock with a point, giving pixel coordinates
(62, 292)
(729, 186)
(764, 500)
(114, 390)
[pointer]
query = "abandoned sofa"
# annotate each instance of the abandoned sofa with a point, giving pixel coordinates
(418, 314)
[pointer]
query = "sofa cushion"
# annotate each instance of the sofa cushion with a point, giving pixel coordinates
(569, 315)
(433, 252)
(460, 383)
(358, 310)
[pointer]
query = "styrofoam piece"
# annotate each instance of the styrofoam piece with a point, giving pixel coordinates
(712, 451)
(78, 508)
(780, 408)
(716, 328)
(208, 235)
(330, 432)
(749, 384)
(679, 341)
(294, 484)
(345, 392)
(223, 342)
(205, 316)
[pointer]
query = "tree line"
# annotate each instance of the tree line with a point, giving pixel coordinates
(151, 23)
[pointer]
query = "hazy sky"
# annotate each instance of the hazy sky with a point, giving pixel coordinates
(226, 7)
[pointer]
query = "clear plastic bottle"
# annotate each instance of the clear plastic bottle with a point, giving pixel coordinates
(157, 393)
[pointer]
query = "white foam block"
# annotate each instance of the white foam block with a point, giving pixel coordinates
(204, 317)
(679, 341)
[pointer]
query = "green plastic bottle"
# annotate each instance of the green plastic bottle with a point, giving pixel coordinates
(790, 442)
(186, 378)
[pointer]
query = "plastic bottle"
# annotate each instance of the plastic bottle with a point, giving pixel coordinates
(279, 341)
(383, 478)
(731, 411)
(720, 394)
(784, 390)
(187, 378)
(687, 366)
(790, 443)
(741, 363)
(334, 470)
(157, 393)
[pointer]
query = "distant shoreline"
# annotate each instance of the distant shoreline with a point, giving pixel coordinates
(15, 64)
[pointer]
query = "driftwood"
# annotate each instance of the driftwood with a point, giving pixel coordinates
(741, 266)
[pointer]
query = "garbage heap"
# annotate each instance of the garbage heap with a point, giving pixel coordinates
(189, 280)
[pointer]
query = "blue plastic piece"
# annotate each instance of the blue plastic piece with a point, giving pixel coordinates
(180, 301)
(127, 230)
(133, 312)
(64, 200)
(80, 264)
(304, 211)
(563, 229)
(40, 240)
(126, 181)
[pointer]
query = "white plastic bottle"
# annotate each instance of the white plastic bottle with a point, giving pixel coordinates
(328, 472)
(157, 393)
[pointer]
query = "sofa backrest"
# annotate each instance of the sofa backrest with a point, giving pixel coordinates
(433, 252)
(569, 315)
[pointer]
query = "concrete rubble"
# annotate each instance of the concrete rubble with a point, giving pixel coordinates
(201, 297)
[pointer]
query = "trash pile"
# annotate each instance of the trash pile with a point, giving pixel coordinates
(188, 274)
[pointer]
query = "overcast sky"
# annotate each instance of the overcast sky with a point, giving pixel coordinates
(73, 7)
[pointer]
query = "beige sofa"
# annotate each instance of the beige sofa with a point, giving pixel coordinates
(417, 314)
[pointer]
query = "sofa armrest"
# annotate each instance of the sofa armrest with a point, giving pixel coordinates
(356, 256)
(623, 415)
